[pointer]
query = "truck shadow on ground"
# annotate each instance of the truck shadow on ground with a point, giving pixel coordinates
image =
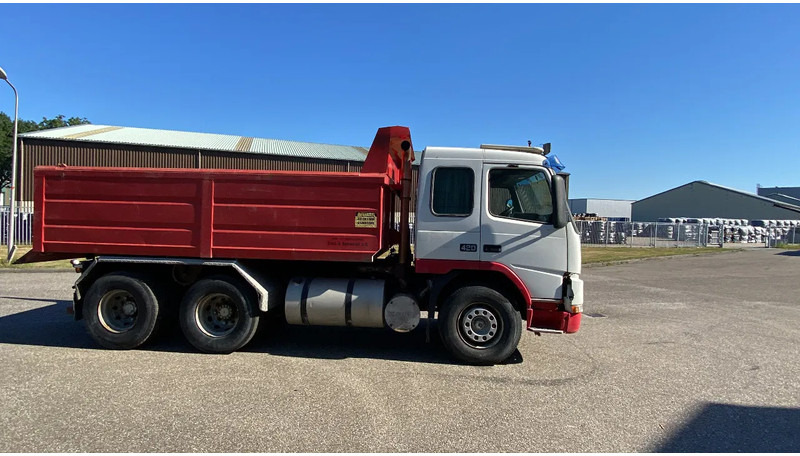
(789, 253)
(729, 428)
(279, 339)
(51, 326)
(323, 342)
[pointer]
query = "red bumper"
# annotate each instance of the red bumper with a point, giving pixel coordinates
(554, 319)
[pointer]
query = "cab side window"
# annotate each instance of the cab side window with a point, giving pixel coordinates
(452, 191)
(526, 192)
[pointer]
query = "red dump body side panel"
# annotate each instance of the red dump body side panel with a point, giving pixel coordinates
(212, 213)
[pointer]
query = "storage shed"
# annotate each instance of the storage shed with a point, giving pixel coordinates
(703, 199)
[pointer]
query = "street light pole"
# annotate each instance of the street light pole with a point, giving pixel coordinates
(11, 247)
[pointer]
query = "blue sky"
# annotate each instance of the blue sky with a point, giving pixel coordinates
(636, 99)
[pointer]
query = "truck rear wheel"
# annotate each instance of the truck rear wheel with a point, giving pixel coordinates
(478, 325)
(216, 316)
(121, 311)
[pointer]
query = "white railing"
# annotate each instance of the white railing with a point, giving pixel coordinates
(23, 229)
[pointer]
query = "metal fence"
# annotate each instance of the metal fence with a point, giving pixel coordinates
(665, 234)
(23, 229)
(647, 234)
(784, 236)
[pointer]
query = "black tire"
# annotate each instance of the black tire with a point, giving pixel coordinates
(497, 326)
(121, 311)
(168, 296)
(217, 316)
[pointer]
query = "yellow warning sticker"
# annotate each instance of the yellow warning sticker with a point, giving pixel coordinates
(366, 220)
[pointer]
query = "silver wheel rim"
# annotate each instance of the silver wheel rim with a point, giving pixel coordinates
(118, 311)
(480, 326)
(216, 315)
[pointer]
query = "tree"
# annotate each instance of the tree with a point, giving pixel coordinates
(58, 121)
(25, 126)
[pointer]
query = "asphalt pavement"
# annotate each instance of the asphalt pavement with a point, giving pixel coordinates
(695, 353)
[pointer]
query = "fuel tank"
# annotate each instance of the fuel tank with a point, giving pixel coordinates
(335, 302)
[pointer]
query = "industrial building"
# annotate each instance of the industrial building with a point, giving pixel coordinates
(113, 146)
(789, 195)
(701, 199)
(612, 209)
(783, 198)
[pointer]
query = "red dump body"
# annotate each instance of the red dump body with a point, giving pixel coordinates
(287, 215)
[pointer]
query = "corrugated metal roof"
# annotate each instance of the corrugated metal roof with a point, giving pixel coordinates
(206, 141)
(64, 131)
(794, 192)
(784, 198)
(776, 203)
(301, 149)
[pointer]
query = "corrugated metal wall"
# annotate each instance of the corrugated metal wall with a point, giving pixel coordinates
(49, 152)
(74, 153)
(223, 160)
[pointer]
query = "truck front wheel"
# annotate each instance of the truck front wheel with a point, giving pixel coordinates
(121, 311)
(478, 325)
(217, 317)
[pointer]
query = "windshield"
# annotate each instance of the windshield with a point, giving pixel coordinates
(522, 194)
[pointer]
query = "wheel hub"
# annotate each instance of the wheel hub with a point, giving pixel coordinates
(129, 308)
(117, 311)
(224, 312)
(479, 325)
(216, 315)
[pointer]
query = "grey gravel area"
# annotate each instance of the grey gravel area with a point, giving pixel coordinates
(682, 354)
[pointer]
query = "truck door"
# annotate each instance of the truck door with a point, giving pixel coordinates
(448, 210)
(517, 226)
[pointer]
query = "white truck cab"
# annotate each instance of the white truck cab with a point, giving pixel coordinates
(502, 209)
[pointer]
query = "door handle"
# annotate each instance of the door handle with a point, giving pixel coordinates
(491, 248)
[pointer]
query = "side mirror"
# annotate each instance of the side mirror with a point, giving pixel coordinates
(560, 203)
(566, 181)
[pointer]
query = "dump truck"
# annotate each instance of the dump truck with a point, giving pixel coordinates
(494, 247)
